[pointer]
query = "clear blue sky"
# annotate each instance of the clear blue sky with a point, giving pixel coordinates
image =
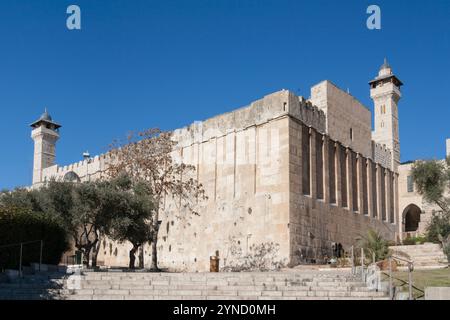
(138, 64)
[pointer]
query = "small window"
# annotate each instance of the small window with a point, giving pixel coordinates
(382, 124)
(410, 184)
(383, 109)
(351, 134)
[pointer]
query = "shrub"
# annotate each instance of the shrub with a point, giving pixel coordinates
(413, 241)
(374, 244)
(22, 225)
(447, 251)
(260, 257)
(439, 226)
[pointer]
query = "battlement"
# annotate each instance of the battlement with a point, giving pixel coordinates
(347, 119)
(382, 154)
(94, 166)
(272, 106)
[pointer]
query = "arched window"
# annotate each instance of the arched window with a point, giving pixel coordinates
(71, 177)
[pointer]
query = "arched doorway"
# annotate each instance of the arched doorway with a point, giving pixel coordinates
(411, 216)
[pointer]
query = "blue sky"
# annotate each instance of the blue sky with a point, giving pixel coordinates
(138, 64)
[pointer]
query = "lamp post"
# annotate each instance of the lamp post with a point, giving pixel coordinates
(87, 157)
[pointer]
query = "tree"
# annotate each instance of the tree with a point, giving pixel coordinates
(21, 198)
(20, 224)
(79, 207)
(432, 179)
(147, 156)
(131, 213)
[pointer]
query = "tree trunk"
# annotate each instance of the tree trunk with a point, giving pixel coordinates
(86, 254)
(132, 256)
(141, 257)
(154, 265)
(95, 251)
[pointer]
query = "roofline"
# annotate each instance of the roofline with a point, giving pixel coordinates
(386, 77)
(46, 121)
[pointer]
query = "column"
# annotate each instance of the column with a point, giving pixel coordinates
(370, 187)
(397, 219)
(388, 189)
(360, 167)
(299, 132)
(338, 175)
(349, 180)
(313, 163)
(326, 171)
(380, 179)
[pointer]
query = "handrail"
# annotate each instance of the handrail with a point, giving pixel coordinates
(390, 258)
(406, 282)
(21, 244)
(410, 270)
(18, 244)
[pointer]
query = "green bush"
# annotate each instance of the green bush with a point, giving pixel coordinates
(373, 244)
(414, 240)
(22, 225)
(438, 226)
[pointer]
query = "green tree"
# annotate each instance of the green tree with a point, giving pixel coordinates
(20, 224)
(131, 214)
(433, 183)
(432, 179)
(81, 209)
(21, 198)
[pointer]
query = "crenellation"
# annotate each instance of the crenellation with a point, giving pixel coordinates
(382, 155)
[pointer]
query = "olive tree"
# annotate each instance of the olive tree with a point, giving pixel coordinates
(79, 207)
(131, 212)
(148, 156)
(432, 179)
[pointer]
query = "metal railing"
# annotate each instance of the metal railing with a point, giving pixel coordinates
(410, 264)
(371, 275)
(20, 245)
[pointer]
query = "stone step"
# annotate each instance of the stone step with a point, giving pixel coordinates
(246, 296)
(216, 275)
(199, 286)
(203, 291)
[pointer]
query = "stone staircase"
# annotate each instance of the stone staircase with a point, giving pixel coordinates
(427, 255)
(43, 286)
(285, 285)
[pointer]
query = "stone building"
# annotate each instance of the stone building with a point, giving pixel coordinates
(301, 173)
(415, 213)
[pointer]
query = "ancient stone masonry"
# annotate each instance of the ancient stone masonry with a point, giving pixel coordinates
(315, 222)
(299, 173)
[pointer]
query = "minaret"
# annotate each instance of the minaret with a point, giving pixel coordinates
(45, 134)
(385, 92)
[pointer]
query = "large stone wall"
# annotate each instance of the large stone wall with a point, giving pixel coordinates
(266, 171)
(347, 120)
(382, 155)
(355, 194)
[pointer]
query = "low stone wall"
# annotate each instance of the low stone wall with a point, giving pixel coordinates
(437, 293)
